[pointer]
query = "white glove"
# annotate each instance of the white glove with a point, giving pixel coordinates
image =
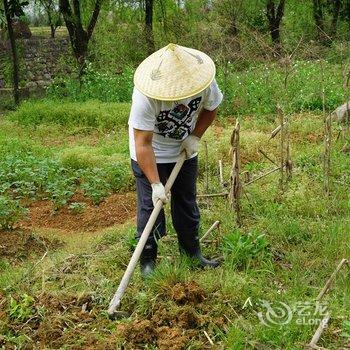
(190, 144)
(158, 192)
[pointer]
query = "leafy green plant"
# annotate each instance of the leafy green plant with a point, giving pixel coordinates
(23, 309)
(19, 340)
(346, 329)
(77, 207)
(61, 191)
(241, 248)
(10, 212)
(95, 185)
(119, 176)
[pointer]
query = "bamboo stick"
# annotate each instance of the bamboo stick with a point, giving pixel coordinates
(331, 278)
(321, 327)
(275, 132)
(206, 167)
(327, 155)
(282, 145)
(211, 229)
(236, 187)
(267, 157)
(289, 165)
(221, 174)
(263, 175)
(347, 101)
(209, 339)
(210, 195)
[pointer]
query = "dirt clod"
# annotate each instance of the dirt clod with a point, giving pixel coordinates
(139, 331)
(171, 338)
(183, 293)
(169, 328)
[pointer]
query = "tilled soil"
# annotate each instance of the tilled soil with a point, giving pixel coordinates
(114, 210)
(17, 245)
(170, 327)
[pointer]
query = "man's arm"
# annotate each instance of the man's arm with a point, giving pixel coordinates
(145, 155)
(191, 142)
(205, 119)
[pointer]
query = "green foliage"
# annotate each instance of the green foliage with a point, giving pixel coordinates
(95, 186)
(24, 175)
(28, 176)
(96, 85)
(241, 248)
(92, 114)
(10, 212)
(119, 176)
(23, 309)
(346, 329)
(257, 90)
(14, 8)
(77, 207)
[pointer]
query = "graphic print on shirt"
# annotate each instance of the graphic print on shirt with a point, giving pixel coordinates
(176, 123)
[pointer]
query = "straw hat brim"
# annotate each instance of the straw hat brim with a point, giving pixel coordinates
(174, 73)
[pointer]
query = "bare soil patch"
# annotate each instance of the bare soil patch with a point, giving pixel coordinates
(171, 327)
(183, 293)
(18, 245)
(114, 210)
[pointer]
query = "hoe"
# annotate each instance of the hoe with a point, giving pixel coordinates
(115, 302)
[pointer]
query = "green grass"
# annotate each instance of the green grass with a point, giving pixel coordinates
(285, 250)
(253, 90)
(92, 114)
(46, 31)
(257, 89)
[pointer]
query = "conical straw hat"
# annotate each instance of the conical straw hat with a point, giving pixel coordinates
(174, 72)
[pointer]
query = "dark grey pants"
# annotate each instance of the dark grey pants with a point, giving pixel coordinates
(184, 209)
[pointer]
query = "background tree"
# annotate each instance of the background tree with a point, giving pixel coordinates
(231, 10)
(322, 9)
(53, 14)
(149, 25)
(12, 9)
(79, 37)
(274, 14)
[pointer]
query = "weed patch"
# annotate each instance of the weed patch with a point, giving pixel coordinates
(91, 114)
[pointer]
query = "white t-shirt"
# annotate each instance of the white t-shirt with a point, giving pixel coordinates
(170, 121)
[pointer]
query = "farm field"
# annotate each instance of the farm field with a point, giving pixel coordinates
(67, 214)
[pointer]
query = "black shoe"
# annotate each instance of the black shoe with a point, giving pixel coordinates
(148, 258)
(189, 244)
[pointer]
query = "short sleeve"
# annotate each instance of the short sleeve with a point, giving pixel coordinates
(143, 112)
(213, 96)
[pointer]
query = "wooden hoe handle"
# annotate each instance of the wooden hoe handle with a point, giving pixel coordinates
(115, 302)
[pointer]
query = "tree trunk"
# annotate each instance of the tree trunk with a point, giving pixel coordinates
(274, 16)
(14, 53)
(79, 37)
(149, 26)
(335, 17)
(347, 12)
(53, 31)
(52, 26)
(319, 19)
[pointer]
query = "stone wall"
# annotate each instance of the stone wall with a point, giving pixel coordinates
(41, 59)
